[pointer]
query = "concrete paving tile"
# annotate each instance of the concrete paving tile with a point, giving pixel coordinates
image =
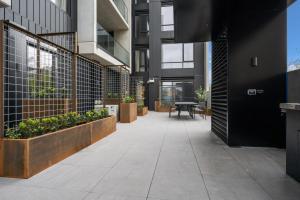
(178, 187)
(9, 192)
(225, 188)
(281, 188)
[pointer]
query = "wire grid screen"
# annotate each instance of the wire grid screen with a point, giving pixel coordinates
(66, 40)
(37, 78)
(137, 89)
(125, 83)
(113, 83)
(90, 85)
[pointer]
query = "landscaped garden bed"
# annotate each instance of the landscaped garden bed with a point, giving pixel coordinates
(37, 144)
(128, 110)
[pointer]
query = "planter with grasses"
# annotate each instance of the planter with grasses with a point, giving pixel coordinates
(36, 144)
(128, 110)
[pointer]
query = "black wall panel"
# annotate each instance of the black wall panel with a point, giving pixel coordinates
(42, 16)
(294, 86)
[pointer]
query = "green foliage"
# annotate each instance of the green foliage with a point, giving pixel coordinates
(141, 104)
(201, 94)
(129, 99)
(35, 127)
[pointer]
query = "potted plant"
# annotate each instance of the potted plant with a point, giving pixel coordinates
(142, 109)
(36, 144)
(112, 99)
(201, 96)
(128, 110)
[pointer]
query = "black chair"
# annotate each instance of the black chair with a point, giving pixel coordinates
(202, 109)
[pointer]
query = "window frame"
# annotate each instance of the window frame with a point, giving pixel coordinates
(183, 62)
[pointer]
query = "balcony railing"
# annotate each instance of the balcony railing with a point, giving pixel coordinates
(122, 8)
(107, 42)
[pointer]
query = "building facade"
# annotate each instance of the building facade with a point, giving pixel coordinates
(172, 71)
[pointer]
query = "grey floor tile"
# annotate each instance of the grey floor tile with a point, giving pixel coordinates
(225, 188)
(12, 192)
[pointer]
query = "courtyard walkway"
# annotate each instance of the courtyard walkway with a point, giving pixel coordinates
(157, 158)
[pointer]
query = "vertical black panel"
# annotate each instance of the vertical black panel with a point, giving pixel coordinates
(31, 26)
(48, 15)
(15, 5)
(25, 22)
(17, 18)
(255, 118)
(65, 27)
(1, 13)
(30, 11)
(219, 90)
(43, 13)
(57, 15)
(36, 5)
(52, 18)
(294, 86)
(23, 8)
(8, 14)
(61, 21)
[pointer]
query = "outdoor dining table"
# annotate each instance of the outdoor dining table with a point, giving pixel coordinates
(189, 106)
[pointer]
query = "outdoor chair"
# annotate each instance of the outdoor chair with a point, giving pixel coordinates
(172, 108)
(201, 108)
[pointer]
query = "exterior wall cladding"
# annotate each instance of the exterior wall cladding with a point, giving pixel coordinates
(41, 16)
(153, 41)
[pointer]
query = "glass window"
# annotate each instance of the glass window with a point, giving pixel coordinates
(167, 18)
(172, 53)
(141, 26)
(172, 91)
(177, 56)
(141, 60)
(188, 52)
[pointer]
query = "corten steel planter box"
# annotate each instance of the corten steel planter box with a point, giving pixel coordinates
(24, 158)
(103, 128)
(142, 111)
(128, 112)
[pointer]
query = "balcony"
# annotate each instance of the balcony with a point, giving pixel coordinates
(113, 14)
(112, 43)
(107, 43)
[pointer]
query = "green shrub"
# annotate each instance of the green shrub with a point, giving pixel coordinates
(129, 99)
(35, 127)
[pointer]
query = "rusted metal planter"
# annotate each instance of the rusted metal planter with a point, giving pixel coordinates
(103, 128)
(142, 111)
(128, 112)
(24, 158)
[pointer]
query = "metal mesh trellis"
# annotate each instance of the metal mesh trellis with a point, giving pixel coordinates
(37, 77)
(66, 40)
(90, 85)
(137, 89)
(116, 84)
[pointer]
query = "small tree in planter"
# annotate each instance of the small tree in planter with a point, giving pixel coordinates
(142, 109)
(201, 96)
(128, 110)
